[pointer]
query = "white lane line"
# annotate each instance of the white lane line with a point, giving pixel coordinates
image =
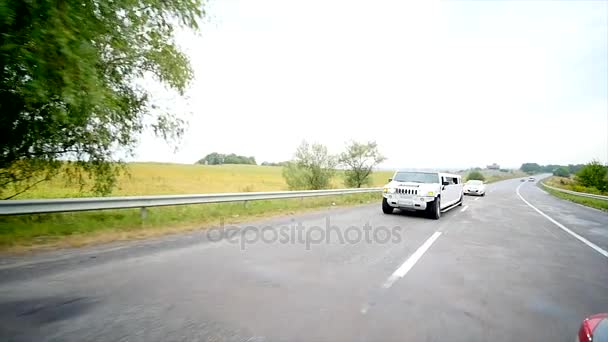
(564, 228)
(477, 199)
(464, 209)
(411, 261)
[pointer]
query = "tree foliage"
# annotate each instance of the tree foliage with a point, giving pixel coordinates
(550, 168)
(69, 73)
(359, 160)
(311, 169)
(530, 168)
(593, 175)
(561, 171)
(219, 159)
(475, 175)
(574, 168)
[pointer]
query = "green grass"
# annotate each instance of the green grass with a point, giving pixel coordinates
(570, 184)
(20, 233)
(590, 202)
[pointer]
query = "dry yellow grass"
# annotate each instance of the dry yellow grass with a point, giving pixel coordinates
(163, 178)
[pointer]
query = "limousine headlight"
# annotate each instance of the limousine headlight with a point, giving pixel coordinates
(430, 193)
(389, 190)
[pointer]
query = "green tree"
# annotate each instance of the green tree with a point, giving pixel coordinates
(69, 92)
(219, 159)
(575, 168)
(549, 168)
(593, 174)
(475, 175)
(311, 169)
(561, 171)
(530, 168)
(212, 158)
(359, 160)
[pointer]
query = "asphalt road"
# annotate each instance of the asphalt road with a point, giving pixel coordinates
(493, 270)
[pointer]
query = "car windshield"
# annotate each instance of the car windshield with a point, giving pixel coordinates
(416, 177)
(474, 182)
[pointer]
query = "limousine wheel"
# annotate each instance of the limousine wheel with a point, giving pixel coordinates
(434, 209)
(386, 208)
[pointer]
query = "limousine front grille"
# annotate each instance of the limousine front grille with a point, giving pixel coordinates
(407, 191)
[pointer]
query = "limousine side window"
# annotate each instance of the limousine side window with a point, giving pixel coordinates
(450, 180)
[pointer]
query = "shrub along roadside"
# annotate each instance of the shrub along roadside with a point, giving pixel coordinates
(567, 183)
(590, 202)
(475, 175)
(29, 232)
(594, 175)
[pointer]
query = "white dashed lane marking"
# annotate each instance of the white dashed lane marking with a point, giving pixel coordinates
(411, 261)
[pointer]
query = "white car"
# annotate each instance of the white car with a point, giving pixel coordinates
(432, 192)
(474, 187)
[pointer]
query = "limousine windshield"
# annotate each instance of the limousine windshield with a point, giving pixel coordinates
(416, 177)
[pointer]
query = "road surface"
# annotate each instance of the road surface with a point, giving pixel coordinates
(495, 269)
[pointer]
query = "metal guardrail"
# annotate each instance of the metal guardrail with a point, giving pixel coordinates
(582, 194)
(20, 207)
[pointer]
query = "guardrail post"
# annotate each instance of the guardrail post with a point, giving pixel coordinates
(143, 213)
(246, 204)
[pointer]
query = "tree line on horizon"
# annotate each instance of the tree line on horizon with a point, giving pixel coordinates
(215, 158)
(593, 174)
(562, 170)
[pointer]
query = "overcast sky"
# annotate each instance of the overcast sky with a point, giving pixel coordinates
(436, 84)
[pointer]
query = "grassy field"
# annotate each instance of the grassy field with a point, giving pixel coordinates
(166, 179)
(22, 233)
(569, 184)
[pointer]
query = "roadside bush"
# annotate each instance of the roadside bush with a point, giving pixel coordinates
(593, 174)
(247, 188)
(311, 169)
(475, 175)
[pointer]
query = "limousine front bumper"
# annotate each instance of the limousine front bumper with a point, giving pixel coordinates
(408, 202)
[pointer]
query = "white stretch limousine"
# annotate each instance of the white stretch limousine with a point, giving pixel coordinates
(433, 192)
